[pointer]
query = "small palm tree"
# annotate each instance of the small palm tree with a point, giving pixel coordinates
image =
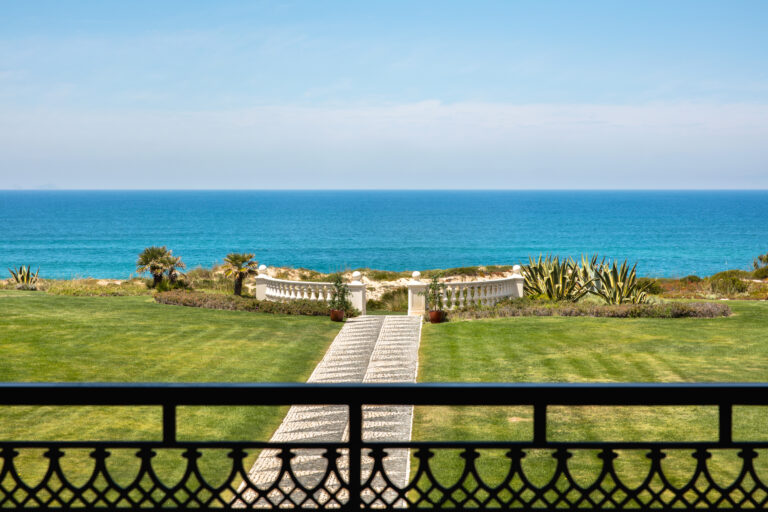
(172, 266)
(239, 266)
(153, 260)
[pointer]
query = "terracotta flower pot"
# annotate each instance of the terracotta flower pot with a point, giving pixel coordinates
(435, 317)
(337, 315)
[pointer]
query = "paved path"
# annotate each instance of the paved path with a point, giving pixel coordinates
(367, 349)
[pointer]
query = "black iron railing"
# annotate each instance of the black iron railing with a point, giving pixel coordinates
(354, 472)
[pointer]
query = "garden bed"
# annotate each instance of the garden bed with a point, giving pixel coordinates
(234, 303)
(527, 307)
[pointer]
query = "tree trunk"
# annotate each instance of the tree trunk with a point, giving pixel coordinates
(238, 285)
(156, 279)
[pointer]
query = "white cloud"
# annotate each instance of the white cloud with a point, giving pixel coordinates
(417, 145)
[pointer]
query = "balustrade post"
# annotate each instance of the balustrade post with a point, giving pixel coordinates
(260, 288)
(357, 292)
(417, 298)
(517, 280)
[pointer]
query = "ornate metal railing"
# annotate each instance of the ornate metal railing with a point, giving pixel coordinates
(354, 474)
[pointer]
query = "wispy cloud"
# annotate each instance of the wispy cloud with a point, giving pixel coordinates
(412, 145)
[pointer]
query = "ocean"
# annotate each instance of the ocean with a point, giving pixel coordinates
(100, 233)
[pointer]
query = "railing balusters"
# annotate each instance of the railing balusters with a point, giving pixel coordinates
(342, 487)
(355, 455)
(540, 423)
(169, 424)
(725, 427)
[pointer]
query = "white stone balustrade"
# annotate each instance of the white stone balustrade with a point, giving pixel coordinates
(468, 293)
(281, 290)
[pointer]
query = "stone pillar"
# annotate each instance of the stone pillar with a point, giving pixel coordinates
(357, 292)
(417, 298)
(260, 288)
(517, 282)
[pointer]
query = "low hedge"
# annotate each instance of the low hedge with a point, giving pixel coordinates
(234, 303)
(523, 307)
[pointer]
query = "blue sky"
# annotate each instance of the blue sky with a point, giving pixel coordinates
(384, 94)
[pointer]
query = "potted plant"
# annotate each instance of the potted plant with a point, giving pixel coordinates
(339, 302)
(435, 292)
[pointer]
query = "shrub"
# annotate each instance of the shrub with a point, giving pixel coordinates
(652, 286)
(760, 273)
(166, 284)
(311, 275)
(395, 300)
(692, 279)
(339, 295)
(92, 288)
(201, 278)
(728, 285)
(383, 275)
(529, 307)
(457, 271)
(434, 294)
(740, 274)
(237, 303)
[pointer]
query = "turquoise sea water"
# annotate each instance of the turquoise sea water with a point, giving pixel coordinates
(99, 234)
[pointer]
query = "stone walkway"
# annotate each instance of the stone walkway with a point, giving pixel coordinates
(367, 349)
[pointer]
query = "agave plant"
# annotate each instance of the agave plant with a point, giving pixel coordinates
(588, 270)
(619, 285)
(556, 279)
(24, 277)
(239, 266)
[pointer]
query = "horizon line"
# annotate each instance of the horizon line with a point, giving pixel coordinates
(383, 189)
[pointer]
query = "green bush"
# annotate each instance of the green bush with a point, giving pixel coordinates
(236, 303)
(760, 273)
(728, 285)
(395, 301)
(740, 274)
(165, 285)
(692, 279)
(92, 288)
(456, 271)
(651, 286)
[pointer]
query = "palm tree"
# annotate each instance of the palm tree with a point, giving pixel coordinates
(153, 260)
(240, 266)
(172, 265)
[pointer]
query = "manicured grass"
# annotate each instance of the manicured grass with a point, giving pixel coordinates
(133, 339)
(551, 349)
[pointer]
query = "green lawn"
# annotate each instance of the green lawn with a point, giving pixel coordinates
(133, 339)
(552, 349)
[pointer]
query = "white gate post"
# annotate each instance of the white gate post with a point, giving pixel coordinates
(517, 282)
(357, 292)
(261, 283)
(417, 299)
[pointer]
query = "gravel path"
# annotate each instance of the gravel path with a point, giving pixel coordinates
(367, 349)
